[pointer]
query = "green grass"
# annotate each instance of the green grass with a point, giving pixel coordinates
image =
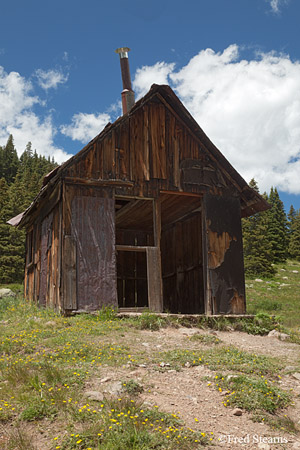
(125, 424)
(218, 358)
(277, 296)
(205, 339)
(46, 361)
(252, 394)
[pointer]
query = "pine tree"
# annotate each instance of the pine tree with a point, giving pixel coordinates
(277, 227)
(20, 184)
(290, 219)
(258, 255)
(294, 245)
(9, 161)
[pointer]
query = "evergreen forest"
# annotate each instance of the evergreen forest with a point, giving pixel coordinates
(269, 237)
(20, 181)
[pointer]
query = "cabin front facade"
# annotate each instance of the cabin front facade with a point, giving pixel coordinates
(148, 214)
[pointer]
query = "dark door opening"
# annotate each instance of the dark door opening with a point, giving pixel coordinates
(182, 254)
(132, 279)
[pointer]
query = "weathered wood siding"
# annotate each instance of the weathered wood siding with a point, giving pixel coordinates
(152, 148)
(192, 249)
(89, 220)
(225, 264)
(42, 270)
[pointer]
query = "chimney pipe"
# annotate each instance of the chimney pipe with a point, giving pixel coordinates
(127, 93)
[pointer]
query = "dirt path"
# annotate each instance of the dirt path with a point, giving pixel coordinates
(187, 392)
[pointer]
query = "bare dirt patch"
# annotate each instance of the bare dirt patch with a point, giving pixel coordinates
(189, 392)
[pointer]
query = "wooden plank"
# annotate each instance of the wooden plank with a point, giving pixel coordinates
(92, 182)
(69, 273)
(188, 194)
(146, 144)
(131, 248)
(158, 141)
(155, 297)
(157, 221)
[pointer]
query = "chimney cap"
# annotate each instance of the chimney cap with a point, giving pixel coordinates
(123, 52)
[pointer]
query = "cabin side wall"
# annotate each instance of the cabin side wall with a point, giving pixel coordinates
(225, 283)
(89, 270)
(43, 260)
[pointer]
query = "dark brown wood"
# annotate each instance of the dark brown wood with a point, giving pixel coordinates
(69, 271)
(130, 248)
(185, 241)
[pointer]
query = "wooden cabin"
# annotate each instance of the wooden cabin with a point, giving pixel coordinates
(147, 214)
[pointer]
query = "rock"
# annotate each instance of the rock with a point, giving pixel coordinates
(145, 344)
(187, 364)
(231, 377)
(295, 271)
(258, 280)
(5, 292)
(50, 323)
(114, 388)
(105, 380)
(237, 412)
(142, 365)
(263, 446)
(285, 278)
(94, 395)
(282, 270)
(278, 335)
(290, 368)
(296, 376)
(162, 364)
(213, 332)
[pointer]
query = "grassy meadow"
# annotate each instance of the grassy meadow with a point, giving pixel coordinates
(47, 362)
(279, 296)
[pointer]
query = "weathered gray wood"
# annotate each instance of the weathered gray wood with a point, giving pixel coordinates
(155, 297)
(69, 272)
(93, 182)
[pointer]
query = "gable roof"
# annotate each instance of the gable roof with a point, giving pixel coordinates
(251, 201)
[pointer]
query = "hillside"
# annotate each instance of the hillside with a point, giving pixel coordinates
(102, 382)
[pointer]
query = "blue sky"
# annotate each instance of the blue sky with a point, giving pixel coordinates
(235, 64)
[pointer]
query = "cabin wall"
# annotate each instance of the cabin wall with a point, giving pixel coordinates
(150, 153)
(42, 267)
(225, 292)
(89, 271)
(153, 149)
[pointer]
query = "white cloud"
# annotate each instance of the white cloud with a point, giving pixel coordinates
(249, 108)
(148, 75)
(277, 4)
(17, 102)
(50, 78)
(85, 126)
